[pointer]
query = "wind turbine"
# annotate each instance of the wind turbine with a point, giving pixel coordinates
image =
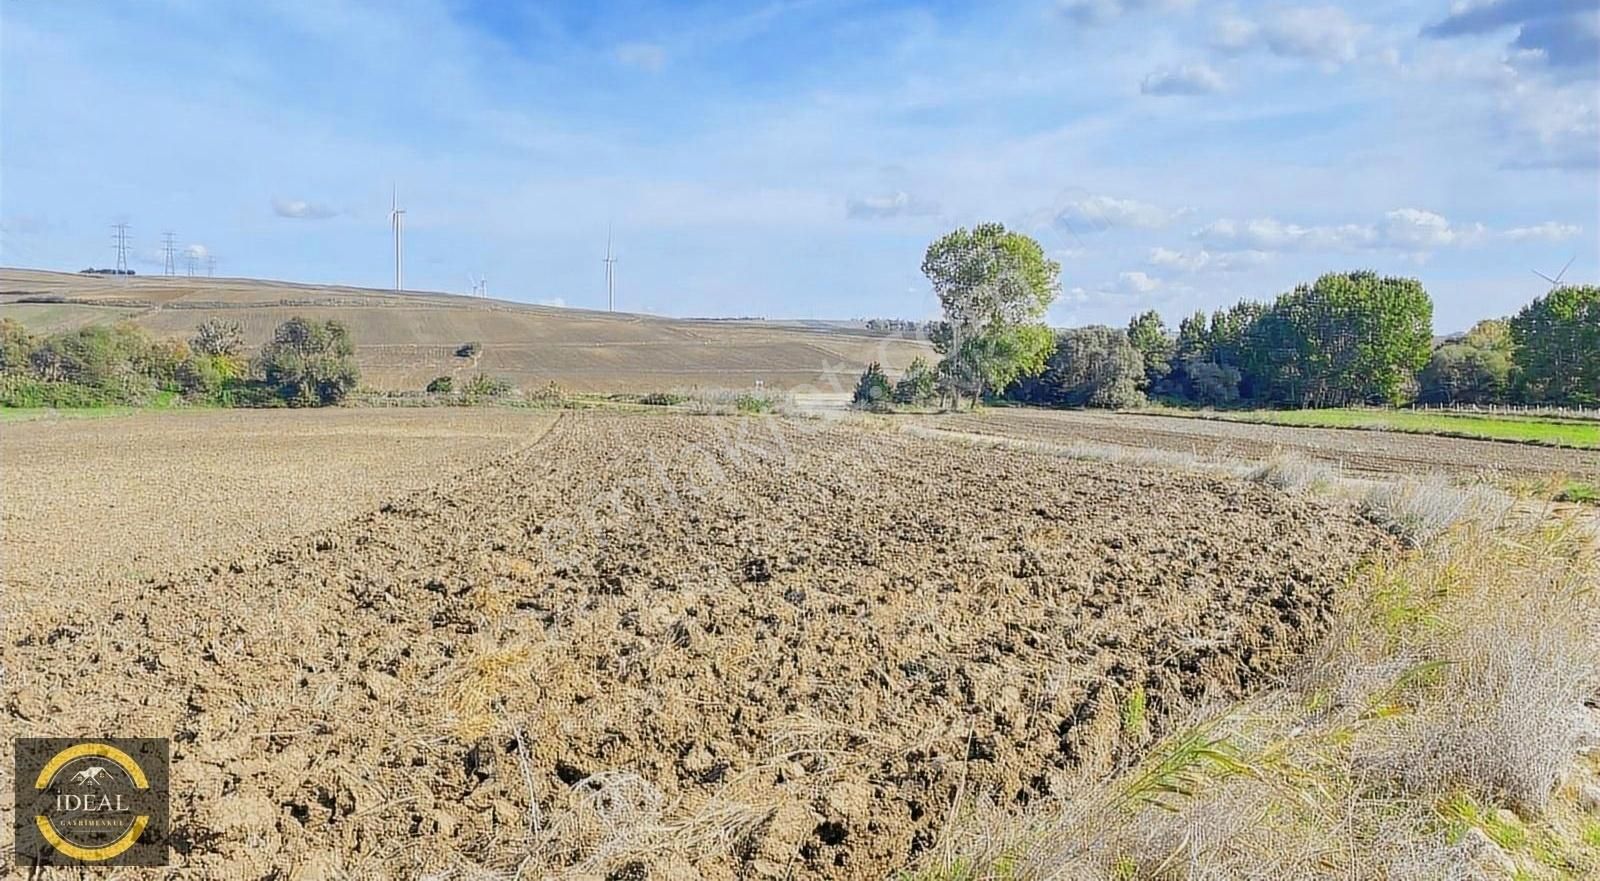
(396, 215)
(1556, 282)
(611, 298)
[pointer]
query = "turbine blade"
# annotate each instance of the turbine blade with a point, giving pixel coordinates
(1545, 277)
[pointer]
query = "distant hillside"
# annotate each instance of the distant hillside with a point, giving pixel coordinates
(405, 339)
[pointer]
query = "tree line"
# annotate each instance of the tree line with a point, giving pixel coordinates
(1345, 339)
(305, 363)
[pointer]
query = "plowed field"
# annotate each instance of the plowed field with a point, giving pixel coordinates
(661, 646)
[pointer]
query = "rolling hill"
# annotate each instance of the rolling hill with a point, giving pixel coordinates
(406, 338)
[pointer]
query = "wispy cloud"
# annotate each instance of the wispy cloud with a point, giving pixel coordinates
(299, 209)
(1190, 79)
(896, 204)
(644, 56)
(1323, 34)
(1097, 213)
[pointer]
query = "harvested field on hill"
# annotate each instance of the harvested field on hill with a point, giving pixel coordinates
(666, 646)
(1372, 452)
(405, 339)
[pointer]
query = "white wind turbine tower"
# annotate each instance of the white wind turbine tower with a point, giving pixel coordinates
(611, 298)
(396, 214)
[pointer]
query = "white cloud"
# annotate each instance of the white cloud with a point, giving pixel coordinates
(1095, 213)
(645, 56)
(198, 252)
(299, 209)
(1268, 234)
(896, 204)
(1190, 79)
(1415, 230)
(1407, 230)
(1136, 282)
(1097, 12)
(1547, 231)
(1314, 33)
(1202, 260)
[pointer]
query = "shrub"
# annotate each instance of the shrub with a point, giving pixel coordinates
(663, 399)
(1213, 384)
(440, 385)
(25, 391)
(16, 346)
(485, 386)
(309, 362)
(549, 396)
(217, 337)
(468, 350)
(917, 385)
(872, 390)
(1090, 367)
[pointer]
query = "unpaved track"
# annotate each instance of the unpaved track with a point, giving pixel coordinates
(1377, 452)
(781, 646)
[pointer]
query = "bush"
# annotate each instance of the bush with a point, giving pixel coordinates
(872, 390)
(549, 396)
(485, 386)
(1090, 367)
(309, 362)
(16, 346)
(25, 391)
(917, 385)
(662, 399)
(217, 337)
(468, 350)
(1213, 384)
(440, 385)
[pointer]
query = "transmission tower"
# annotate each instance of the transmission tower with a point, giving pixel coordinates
(169, 247)
(191, 259)
(211, 265)
(121, 239)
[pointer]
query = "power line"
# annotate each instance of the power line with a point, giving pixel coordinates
(170, 247)
(121, 239)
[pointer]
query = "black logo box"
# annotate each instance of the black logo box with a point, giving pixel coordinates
(60, 807)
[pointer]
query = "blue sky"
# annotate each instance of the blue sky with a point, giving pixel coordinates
(794, 159)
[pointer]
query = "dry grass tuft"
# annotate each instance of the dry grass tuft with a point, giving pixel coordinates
(1453, 688)
(1418, 511)
(1294, 473)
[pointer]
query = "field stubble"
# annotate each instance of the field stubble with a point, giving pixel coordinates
(717, 647)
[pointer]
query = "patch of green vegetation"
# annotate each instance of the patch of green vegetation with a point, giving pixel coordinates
(1591, 833)
(1555, 432)
(1578, 491)
(1134, 710)
(663, 399)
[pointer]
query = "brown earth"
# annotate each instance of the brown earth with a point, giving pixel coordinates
(1377, 452)
(661, 646)
(405, 339)
(142, 495)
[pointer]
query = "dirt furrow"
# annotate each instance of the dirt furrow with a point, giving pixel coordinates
(714, 647)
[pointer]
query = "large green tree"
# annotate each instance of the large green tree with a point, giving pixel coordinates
(1348, 338)
(1557, 347)
(994, 286)
(309, 362)
(1148, 334)
(1091, 367)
